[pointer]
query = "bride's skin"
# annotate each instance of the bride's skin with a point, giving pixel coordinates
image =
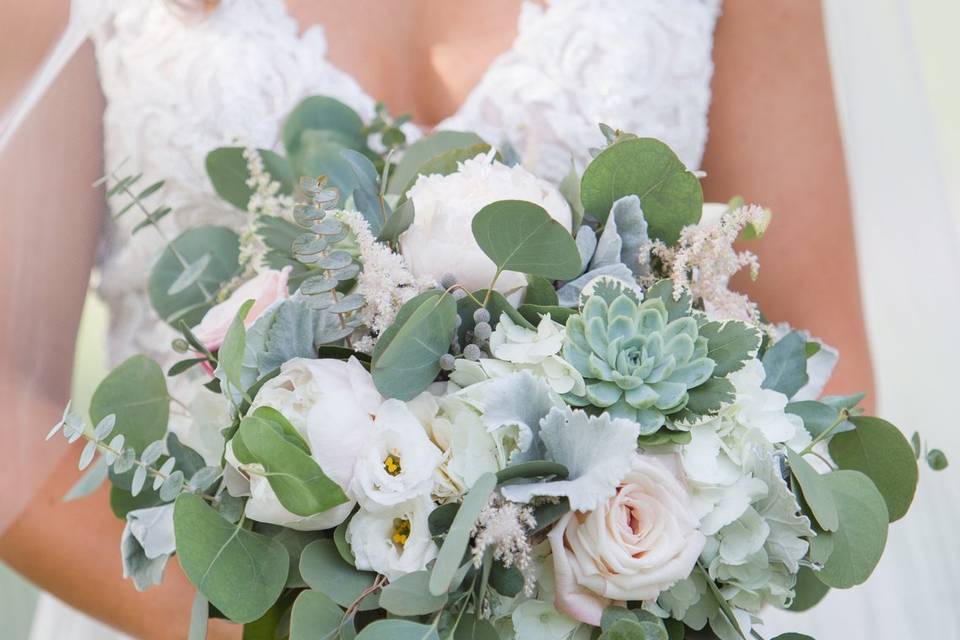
(773, 139)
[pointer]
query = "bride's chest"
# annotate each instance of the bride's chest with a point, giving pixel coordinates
(177, 88)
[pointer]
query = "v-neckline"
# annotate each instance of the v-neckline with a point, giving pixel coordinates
(302, 32)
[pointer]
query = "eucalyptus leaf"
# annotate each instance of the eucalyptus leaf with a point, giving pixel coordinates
(937, 460)
(314, 617)
(398, 630)
(424, 150)
(670, 195)
(191, 303)
(859, 541)
(817, 494)
(521, 236)
(367, 194)
(89, 481)
(455, 543)
(809, 591)
(324, 570)
(228, 172)
(877, 449)
(322, 113)
(136, 392)
(240, 572)
(300, 484)
(409, 596)
(785, 364)
(406, 358)
(230, 355)
(443, 164)
(398, 222)
(817, 416)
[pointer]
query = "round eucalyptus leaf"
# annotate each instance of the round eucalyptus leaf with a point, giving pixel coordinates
(324, 570)
(193, 301)
(398, 630)
(815, 491)
(424, 150)
(670, 195)
(228, 172)
(443, 164)
(859, 541)
(240, 572)
(410, 596)
(323, 113)
(136, 392)
(314, 615)
(809, 590)
(521, 236)
(791, 636)
(878, 449)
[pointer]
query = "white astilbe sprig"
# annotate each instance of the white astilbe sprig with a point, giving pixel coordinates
(266, 200)
(385, 282)
(503, 527)
(704, 260)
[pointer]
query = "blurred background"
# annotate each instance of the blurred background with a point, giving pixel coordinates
(898, 98)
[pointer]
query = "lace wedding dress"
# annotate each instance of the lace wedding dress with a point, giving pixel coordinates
(177, 86)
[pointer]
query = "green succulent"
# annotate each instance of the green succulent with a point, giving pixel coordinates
(637, 363)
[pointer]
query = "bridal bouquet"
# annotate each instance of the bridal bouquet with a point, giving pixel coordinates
(425, 394)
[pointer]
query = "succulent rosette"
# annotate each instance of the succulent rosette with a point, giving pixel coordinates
(636, 362)
(430, 394)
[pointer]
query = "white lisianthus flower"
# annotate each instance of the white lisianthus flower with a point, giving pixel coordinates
(398, 460)
(394, 541)
(440, 241)
(633, 546)
(515, 348)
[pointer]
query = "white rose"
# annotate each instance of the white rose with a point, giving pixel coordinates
(440, 240)
(394, 541)
(635, 545)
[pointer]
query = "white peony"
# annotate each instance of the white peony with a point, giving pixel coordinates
(515, 348)
(440, 241)
(394, 541)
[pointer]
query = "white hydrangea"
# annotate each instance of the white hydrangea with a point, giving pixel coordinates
(755, 534)
(515, 348)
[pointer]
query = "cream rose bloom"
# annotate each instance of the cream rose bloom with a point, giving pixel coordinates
(635, 545)
(265, 289)
(440, 240)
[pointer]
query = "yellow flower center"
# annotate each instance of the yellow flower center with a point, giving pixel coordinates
(401, 531)
(392, 464)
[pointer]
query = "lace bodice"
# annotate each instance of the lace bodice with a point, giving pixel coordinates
(178, 87)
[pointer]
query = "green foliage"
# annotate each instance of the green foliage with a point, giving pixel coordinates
(639, 365)
(730, 344)
(219, 250)
(859, 541)
(407, 356)
(785, 364)
(670, 195)
(455, 543)
(278, 235)
(816, 492)
(228, 172)
(817, 417)
(792, 636)
(398, 630)
(314, 616)
(540, 292)
(570, 189)
(423, 151)
(300, 484)
(533, 469)
(809, 590)
(368, 196)
(633, 629)
(398, 222)
(496, 304)
(533, 313)
(937, 459)
(321, 113)
(136, 392)
(230, 355)
(444, 164)
(240, 572)
(199, 617)
(521, 236)
(410, 596)
(676, 308)
(325, 571)
(877, 449)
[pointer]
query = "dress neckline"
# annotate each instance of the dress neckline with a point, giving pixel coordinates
(529, 9)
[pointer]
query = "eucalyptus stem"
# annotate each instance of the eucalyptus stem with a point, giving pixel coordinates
(841, 418)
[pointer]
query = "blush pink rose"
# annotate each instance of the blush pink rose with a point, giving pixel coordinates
(265, 289)
(635, 545)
